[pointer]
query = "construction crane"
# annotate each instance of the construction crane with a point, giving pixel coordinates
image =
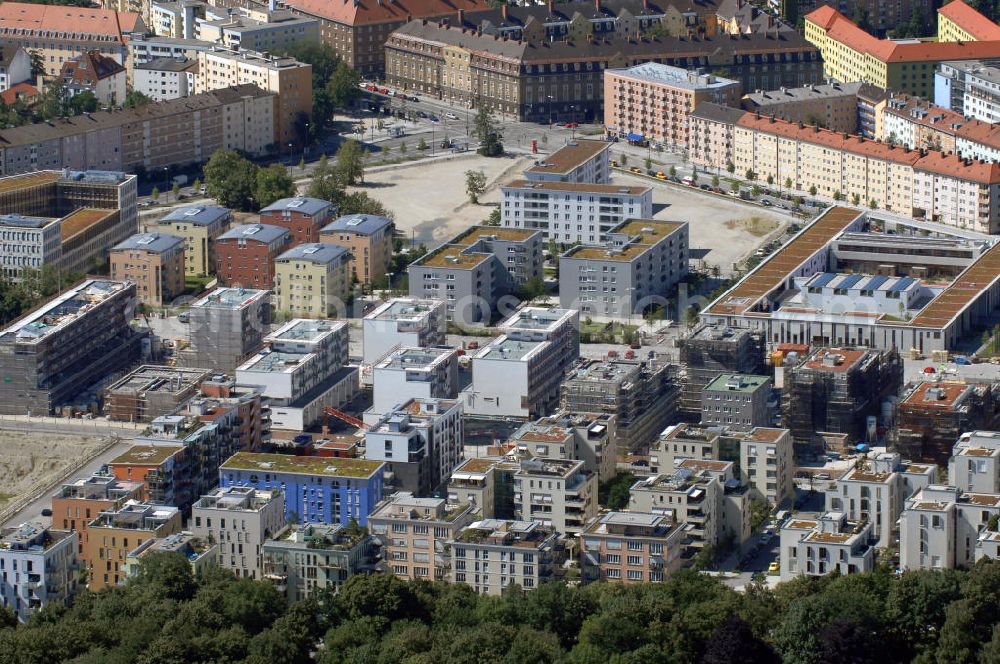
(344, 417)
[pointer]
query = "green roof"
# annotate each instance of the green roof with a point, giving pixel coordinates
(285, 463)
(147, 455)
(740, 383)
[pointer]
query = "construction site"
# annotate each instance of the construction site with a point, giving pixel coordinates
(836, 391)
(711, 351)
(226, 327)
(151, 391)
(933, 414)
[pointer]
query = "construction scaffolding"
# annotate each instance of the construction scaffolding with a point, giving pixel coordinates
(710, 351)
(933, 414)
(836, 389)
(643, 395)
(225, 328)
(151, 391)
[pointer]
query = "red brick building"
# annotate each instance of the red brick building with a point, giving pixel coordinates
(244, 255)
(302, 217)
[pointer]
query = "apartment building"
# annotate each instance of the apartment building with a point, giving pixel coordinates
(115, 532)
(273, 31)
(143, 49)
(577, 162)
(642, 397)
(15, 66)
(486, 483)
(569, 212)
(738, 401)
(151, 391)
(941, 527)
(652, 101)
(369, 239)
(931, 415)
(38, 568)
(832, 105)
(305, 559)
(317, 489)
(557, 493)
(176, 132)
(200, 226)
(52, 355)
(302, 370)
(712, 350)
(975, 462)
(535, 78)
(571, 436)
(680, 442)
(968, 88)
(417, 533)
(851, 54)
(631, 547)
(958, 22)
(165, 78)
(176, 19)
(240, 519)
(633, 271)
(473, 271)
(419, 442)
(245, 255)
(289, 80)
(519, 373)
(313, 280)
(66, 219)
(402, 323)
(200, 554)
(767, 464)
(59, 33)
(491, 554)
(711, 136)
(77, 503)
(690, 497)
(154, 262)
(303, 217)
(154, 463)
(917, 123)
(831, 543)
(419, 373)
(226, 327)
(98, 74)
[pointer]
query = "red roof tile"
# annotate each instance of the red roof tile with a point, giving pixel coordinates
(971, 21)
(24, 91)
(362, 12)
(54, 18)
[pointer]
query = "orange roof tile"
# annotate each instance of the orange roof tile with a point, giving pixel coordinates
(970, 170)
(24, 91)
(55, 18)
(971, 21)
(362, 12)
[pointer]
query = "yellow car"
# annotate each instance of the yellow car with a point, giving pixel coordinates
(660, 175)
(636, 170)
(614, 163)
(774, 567)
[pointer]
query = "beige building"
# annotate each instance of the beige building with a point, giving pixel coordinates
(557, 493)
(690, 498)
(369, 240)
(199, 225)
(305, 559)
(652, 101)
(831, 543)
(416, 534)
(154, 262)
(287, 78)
(768, 464)
(631, 547)
(272, 31)
(680, 442)
(119, 530)
(486, 483)
(311, 281)
(492, 554)
(240, 519)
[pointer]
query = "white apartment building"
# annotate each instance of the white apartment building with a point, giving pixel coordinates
(694, 496)
(733, 498)
(816, 547)
(240, 519)
(580, 161)
(975, 462)
(682, 441)
(38, 567)
(558, 493)
(941, 527)
(413, 373)
(416, 534)
(491, 554)
(568, 212)
(402, 323)
(579, 437)
(28, 242)
(768, 464)
(164, 78)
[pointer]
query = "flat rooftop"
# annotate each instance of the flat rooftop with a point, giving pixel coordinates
(569, 157)
(275, 361)
(491, 233)
(451, 256)
(834, 360)
(154, 378)
(605, 371)
(419, 359)
(404, 309)
(966, 287)
(745, 383)
(81, 219)
(305, 329)
(61, 311)
(675, 77)
(578, 187)
(537, 318)
(937, 395)
(22, 221)
(642, 233)
(28, 180)
(285, 463)
(550, 467)
(509, 349)
(146, 455)
(230, 298)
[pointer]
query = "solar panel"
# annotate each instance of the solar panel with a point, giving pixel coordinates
(876, 281)
(850, 280)
(823, 280)
(902, 284)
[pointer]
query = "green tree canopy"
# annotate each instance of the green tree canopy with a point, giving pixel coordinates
(231, 179)
(273, 183)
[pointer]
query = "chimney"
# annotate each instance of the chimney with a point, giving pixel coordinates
(503, 11)
(461, 17)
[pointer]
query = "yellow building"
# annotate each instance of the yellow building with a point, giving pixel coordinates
(369, 239)
(313, 280)
(958, 22)
(199, 225)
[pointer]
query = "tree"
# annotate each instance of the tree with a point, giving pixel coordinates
(475, 185)
(731, 167)
(734, 186)
(532, 289)
(422, 144)
(755, 190)
(350, 163)
(84, 102)
(856, 199)
(750, 175)
(614, 493)
(715, 181)
(873, 204)
(788, 183)
(231, 179)
(673, 171)
(196, 185)
(488, 133)
(734, 641)
(302, 164)
(175, 190)
(37, 63)
(155, 194)
(402, 147)
(135, 99)
(494, 218)
(53, 102)
(770, 180)
(837, 196)
(343, 86)
(273, 183)
(623, 159)
(649, 163)
(760, 510)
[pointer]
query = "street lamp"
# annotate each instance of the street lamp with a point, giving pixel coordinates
(550, 97)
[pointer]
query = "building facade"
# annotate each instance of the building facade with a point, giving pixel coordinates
(245, 255)
(114, 533)
(200, 226)
(154, 262)
(303, 217)
(630, 547)
(313, 281)
(368, 239)
(40, 568)
(240, 519)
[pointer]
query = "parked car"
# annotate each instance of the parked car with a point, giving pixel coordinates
(46, 512)
(688, 180)
(705, 187)
(774, 567)
(571, 125)
(660, 175)
(433, 118)
(766, 203)
(636, 170)
(451, 116)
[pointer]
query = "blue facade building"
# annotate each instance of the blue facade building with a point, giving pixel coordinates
(317, 489)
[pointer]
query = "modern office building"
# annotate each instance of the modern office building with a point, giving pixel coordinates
(305, 559)
(40, 568)
(240, 520)
(652, 101)
(492, 554)
(738, 401)
(368, 238)
(631, 547)
(301, 216)
(413, 373)
(317, 489)
(200, 226)
(51, 356)
(402, 323)
(558, 493)
(245, 255)
(473, 271)
(115, 532)
(154, 262)
(633, 271)
(416, 534)
(831, 543)
(569, 212)
(226, 327)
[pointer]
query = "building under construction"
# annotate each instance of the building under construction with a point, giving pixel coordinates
(226, 327)
(642, 394)
(151, 391)
(835, 390)
(932, 415)
(711, 351)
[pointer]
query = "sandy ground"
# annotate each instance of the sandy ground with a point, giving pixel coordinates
(35, 460)
(430, 202)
